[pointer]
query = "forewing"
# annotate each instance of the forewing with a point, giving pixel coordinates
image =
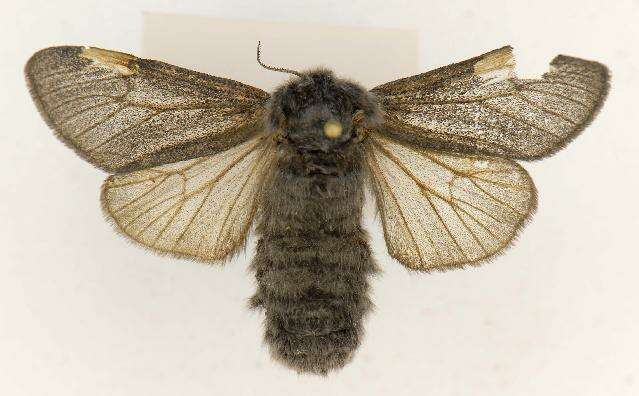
(442, 210)
(123, 113)
(200, 208)
(479, 106)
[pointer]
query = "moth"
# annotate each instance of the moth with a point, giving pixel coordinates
(198, 161)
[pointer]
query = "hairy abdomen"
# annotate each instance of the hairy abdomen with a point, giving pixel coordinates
(313, 261)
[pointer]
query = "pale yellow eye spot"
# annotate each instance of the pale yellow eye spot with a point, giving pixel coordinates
(332, 129)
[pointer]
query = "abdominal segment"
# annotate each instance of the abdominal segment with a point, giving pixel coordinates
(312, 264)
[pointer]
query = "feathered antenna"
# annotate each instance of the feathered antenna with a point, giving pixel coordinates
(277, 69)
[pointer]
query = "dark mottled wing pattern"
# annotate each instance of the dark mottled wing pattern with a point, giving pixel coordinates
(123, 113)
(444, 210)
(200, 208)
(479, 106)
(441, 165)
(189, 150)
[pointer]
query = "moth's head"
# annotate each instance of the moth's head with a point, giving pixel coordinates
(319, 111)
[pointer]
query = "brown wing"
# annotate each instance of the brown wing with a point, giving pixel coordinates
(479, 106)
(443, 210)
(200, 208)
(123, 113)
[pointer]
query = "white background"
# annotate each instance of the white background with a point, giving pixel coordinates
(82, 312)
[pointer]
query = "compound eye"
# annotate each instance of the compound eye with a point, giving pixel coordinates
(332, 129)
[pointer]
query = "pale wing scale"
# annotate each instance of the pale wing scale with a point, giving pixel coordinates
(200, 208)
(442, 210)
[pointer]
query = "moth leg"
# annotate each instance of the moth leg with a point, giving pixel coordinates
(279, 138)
(358, 130)
(360, 135)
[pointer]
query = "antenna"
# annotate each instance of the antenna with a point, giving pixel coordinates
(277, 69)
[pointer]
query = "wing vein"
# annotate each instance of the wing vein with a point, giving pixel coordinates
(78, 98)
(235, 199)
(481, 245)
(109, 116)
(482, 225)
(83, 110)
(499, 201)
(547, 110)
(75, 85)
(517, 118)
(401, 213)
(144, 194)
(192, 218)
(124, 131)
(441, 220)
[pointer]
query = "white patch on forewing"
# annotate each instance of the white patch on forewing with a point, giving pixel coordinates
(497, 66)
(117, 61)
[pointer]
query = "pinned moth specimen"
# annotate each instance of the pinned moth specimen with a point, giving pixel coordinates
(196, 161)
